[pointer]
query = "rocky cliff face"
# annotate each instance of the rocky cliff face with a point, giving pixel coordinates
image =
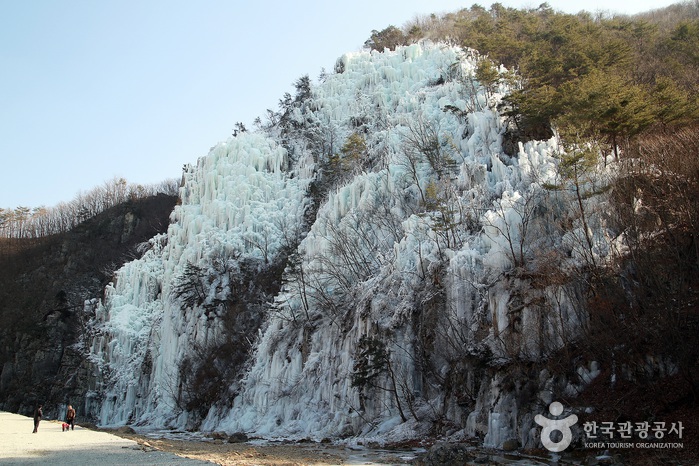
(46, 283)
(411, 241)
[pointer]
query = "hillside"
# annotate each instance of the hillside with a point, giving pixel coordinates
(45, 285)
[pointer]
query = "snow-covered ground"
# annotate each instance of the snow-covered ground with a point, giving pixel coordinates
(50, 445)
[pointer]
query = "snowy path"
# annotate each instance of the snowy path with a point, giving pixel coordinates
(18, 445)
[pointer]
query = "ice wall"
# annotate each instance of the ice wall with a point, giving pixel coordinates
(376, 252)
(238, 202)
(403, 272)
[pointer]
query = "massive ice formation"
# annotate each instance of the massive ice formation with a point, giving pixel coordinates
(400, 279)
(238, 201)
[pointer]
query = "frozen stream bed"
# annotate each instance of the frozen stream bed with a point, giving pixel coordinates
(326, 453)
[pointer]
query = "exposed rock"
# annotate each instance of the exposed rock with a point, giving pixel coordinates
(446, 454)
(238, 437)
(45, 285)
(510, 445)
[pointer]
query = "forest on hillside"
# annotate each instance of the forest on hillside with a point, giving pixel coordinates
(597, 79)
(23, 222)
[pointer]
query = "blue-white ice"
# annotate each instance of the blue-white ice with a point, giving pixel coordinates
(369, 258)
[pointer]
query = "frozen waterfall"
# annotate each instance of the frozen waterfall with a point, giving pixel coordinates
(398, 255)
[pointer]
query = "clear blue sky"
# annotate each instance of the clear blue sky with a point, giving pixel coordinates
(93, 89)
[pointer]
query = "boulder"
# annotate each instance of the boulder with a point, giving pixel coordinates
(446, 454)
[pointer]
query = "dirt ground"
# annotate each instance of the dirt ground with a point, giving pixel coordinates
(245, 454)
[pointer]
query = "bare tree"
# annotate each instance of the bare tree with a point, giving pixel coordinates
(23, 222)
(512, 218)
(580, 179)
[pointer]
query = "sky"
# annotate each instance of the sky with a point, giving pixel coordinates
(91, 90)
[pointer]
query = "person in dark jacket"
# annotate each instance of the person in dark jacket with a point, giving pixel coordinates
(37, 417)
(70, 417)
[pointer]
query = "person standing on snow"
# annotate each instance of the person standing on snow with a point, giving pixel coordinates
(70, 417)
(37, 418)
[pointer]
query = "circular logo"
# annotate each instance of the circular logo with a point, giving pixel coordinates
(552, 425)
